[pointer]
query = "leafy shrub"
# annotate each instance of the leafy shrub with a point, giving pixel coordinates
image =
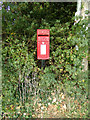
(22, 72)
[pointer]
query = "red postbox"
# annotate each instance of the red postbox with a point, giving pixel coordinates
(43, 36)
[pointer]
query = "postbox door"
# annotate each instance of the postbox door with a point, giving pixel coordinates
(43, 50)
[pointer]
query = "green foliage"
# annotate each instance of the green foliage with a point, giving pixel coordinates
(47, 80)
(22, 72)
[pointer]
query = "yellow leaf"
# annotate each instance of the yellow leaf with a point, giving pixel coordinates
(75, 73)
(83, 80)
(18, 107)
(11, 106)
(9, 100)
(61, 70)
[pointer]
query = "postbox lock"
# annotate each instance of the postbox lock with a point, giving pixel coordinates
(42, 42)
